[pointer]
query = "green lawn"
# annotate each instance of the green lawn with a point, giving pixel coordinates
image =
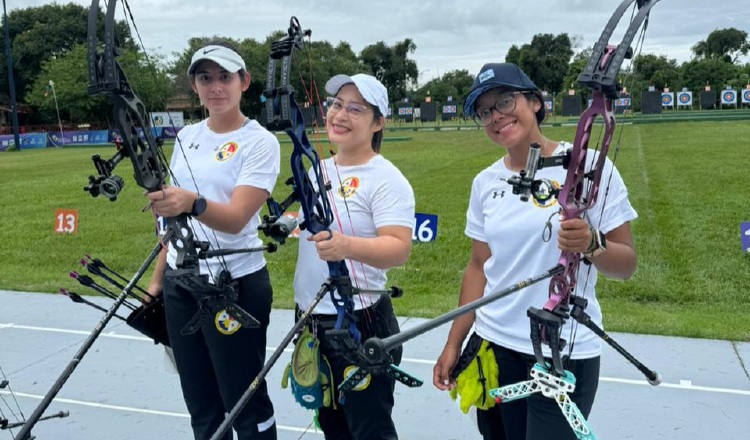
(692, 279)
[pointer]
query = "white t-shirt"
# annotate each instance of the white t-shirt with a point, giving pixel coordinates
(366, 197)
(217, 164)
(513, 230)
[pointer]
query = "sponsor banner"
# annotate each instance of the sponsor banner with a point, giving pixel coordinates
(167, 119)
(78, 137)
(28, 140)
(163, 132)
(170, 132)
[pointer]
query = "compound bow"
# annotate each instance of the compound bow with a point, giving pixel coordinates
(150, 168)
(578, 193)
(312, 193)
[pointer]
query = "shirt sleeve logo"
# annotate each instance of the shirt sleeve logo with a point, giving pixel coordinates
(348, 187)
(226, 151)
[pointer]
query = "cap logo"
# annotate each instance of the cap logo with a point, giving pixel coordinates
(487, 74)
(205, 51)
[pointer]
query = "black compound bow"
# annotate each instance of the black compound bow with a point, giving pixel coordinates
(283, 113)
(136, 141)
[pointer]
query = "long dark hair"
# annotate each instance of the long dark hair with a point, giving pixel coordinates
(377, 137)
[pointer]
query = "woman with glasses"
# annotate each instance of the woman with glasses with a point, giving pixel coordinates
(509, 244)
(374, 208)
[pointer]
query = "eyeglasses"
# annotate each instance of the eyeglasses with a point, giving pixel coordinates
(504, 105)
(355, 109)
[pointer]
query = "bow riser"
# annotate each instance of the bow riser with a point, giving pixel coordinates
(580, 190)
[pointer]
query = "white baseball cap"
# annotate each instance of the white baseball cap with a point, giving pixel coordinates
(369, 87)
(225, 57)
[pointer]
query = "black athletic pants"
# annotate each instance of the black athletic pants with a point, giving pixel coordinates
(364, 414)
(215, 368)
(536, 417)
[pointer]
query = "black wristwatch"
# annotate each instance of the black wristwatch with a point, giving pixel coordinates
(199, 206)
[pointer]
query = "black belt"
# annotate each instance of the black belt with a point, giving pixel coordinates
(327, 322)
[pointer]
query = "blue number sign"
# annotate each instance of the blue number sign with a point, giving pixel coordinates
(425, 227)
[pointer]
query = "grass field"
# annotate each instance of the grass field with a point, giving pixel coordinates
(685, 181)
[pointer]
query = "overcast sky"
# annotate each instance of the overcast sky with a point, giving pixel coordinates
(449, 35)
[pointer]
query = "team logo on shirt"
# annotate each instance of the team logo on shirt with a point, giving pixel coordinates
(546, 192)
(364, 383)
(225, 324)
(226, 151)
(349, 187)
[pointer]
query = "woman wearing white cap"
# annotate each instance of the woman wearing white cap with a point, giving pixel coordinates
(224, 169)
(508, 246)
(372, 233)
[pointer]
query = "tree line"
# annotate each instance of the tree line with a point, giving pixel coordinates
(49, 43)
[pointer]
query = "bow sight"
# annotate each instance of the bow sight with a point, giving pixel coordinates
(542, 190)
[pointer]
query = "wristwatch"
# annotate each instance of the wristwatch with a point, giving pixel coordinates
(597, 246)
(199, 206)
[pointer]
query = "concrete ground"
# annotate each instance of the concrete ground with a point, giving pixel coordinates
(123, 390)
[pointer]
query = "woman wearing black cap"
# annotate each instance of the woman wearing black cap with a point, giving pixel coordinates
(508, 246)
(224, 169)
(374, 206)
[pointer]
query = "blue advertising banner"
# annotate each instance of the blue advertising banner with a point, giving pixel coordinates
(28, 140)
(80, 137)
(164, 132)
(170, 132)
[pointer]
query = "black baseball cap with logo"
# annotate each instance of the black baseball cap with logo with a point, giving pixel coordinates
(502, 75)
